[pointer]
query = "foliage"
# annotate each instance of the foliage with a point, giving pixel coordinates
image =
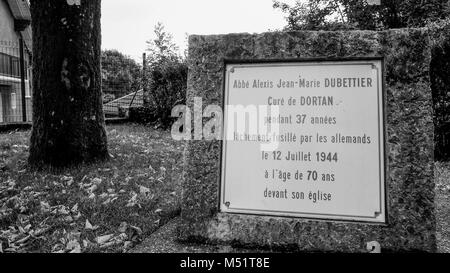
(121, 75)
(312, 15)
(167, 77)
(357, 14)
(167, 88)
(161, 48)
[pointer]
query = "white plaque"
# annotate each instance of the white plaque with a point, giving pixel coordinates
(325, 128)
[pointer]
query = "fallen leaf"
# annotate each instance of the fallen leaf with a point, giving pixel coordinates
(63, 211)
(73, 236)
(104, 239)
(86, 243)
(123, 227)
(136, 229)
(76, 250)
(23, 240)
(92, 189)
(77, 216)
(128, 245)
(73, 244)
(74, 208)
(40, 231)
(68, 219)
(45, 207)
(144, 190)
(122, 237)
(27, 228)
(96, 181)
(133, 200)
(88, 225)
(68, 180)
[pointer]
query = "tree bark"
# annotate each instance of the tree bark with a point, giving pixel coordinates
(68, 119)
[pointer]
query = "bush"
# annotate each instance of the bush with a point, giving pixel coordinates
(167, 82)
(141, 115)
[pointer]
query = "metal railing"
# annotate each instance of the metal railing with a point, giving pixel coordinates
(15, 83)
(119, 107)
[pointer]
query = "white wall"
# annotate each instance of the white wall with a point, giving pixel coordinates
(7, 32)
(1, 107)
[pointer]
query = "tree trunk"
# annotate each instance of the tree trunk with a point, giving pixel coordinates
(68, 120)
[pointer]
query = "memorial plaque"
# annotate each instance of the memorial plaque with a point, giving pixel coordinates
(305, 139)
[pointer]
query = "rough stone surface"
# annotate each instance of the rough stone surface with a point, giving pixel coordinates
(440, 85)
(410, 148)
(164, 241)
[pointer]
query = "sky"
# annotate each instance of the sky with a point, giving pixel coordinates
(128, 24)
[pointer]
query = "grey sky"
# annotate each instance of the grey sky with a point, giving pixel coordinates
(127, 24)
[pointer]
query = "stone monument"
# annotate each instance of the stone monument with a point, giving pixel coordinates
(372, 90)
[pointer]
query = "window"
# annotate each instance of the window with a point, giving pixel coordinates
(1, 107)
(15, 67)
(5, 65)
(13, 101)
(10, 66)
(28, 82)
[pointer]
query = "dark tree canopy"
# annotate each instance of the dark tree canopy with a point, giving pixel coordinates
(121, 75)
(358, 14)
(68, 119)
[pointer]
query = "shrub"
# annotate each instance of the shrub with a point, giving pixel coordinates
(167, 82)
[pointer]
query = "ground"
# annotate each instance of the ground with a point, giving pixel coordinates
(115, 205)
(105, 207)
(442, 176)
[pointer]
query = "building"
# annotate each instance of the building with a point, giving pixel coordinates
(15, 38)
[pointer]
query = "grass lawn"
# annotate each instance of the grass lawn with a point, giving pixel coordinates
(112, 206)
(442, 174)
(105, 207)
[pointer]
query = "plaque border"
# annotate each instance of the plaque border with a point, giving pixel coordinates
(382, 137)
